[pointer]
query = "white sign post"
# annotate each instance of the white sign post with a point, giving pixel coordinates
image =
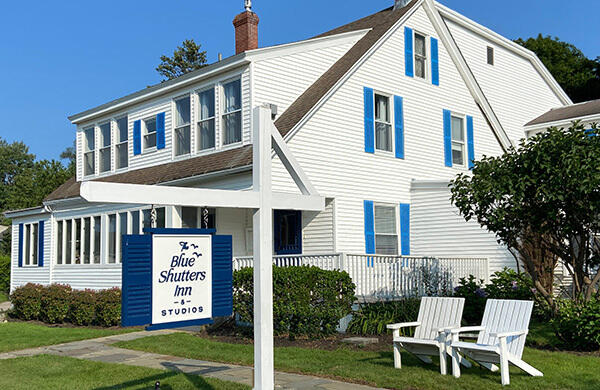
(181, 278)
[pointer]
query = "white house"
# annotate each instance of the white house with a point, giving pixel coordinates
(586, 113)
(380, 113)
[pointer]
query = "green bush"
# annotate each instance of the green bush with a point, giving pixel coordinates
(27, 301)
(473, 291)
(372, 318)
(307, 301)
(82, 310)
(55, 301)
(578, 324)
(508, 284)
(108, 307)
(4, 274)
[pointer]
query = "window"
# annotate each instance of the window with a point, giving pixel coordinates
(30, 244)
(59, 243)
(182, 126)
(135, 222)
(287, 232)
(194, 217)
(77, 240)
(206, 119)
(122, 230)
(112, 239)
(105, 145)
(490, 55)
(87, 240)
(149, 133)
(458, 141)
(386, 236)
(122, 148)
(69, 241)
(420, 56)
(89, 155)
(147, 218)
(232, 114)
(97, 240)
(383, 125)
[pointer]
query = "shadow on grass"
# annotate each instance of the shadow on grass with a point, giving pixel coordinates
(195, 380)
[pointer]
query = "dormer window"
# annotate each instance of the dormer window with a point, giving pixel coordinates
(105, 144)
(420, 56)
(122, 148)
(232, 113)
(182, 126)
(149, 133)
(206, 119)
(89, 156)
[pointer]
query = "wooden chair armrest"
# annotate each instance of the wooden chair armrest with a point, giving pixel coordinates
(446, 329)
(403, 325)
(509, 334)
(467, 329)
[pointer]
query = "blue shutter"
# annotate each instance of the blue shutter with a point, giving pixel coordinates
(222, 263)
(435, 66)
(470, 142)
(160, 130)
(137, 137)
(408, 52)
(369, 120)
(399, 125)
(136, 306)
(41, 244)
(369, 228)
(405, 229)
(20, 245)
(448, 138)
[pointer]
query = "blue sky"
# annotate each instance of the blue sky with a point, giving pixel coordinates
(62, 57)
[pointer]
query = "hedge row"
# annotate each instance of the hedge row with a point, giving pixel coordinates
(306, 300)
(4, 274)
(57, 303)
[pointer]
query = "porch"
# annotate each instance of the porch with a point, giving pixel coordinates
(388, 277)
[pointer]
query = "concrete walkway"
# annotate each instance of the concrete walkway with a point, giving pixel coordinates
(101, 350)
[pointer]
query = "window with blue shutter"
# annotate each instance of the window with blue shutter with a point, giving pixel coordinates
(448, 138)
(408, 52)
(369, 120)
(470, 142)
(399, 125)
(137, 137)
(20, 245)
(369, 227)
(160, 130)
(41, 244)
(435, 67)
(405, 229)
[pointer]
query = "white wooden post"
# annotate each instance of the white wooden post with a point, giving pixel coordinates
(264, 376)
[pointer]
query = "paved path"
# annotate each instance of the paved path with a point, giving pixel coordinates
(101, 350)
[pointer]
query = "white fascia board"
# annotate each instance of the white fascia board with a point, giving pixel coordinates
(467, 75)
(507, 44)
(226, 66)
(563, 123)
(304, 46)
(25, 212)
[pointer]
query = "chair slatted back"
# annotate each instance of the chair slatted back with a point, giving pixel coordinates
(436, 313)
(506, 316)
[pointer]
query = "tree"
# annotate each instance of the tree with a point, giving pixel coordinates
(578, 75)
(542, 201)
(14, 159)
(186, 58)
(70, 154)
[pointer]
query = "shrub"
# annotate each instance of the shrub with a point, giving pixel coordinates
(4, 274)
(27, 303)
(372, 318)
(508, 284)
(55, 301)
(108, 307)
(306, 300)
(475, 297)
(82, 310)
(578, 324)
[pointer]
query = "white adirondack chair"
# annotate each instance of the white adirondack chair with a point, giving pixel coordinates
(501, 340)
(436, 317)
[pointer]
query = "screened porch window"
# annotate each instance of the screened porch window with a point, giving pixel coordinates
(287, 232)
(206, 119)
(232, 112)
(182, 126)
(386, 236)
(193, 218)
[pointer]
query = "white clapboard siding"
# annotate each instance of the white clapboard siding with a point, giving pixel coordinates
(318, 231)
(514, 88)
(436, 313)
(30, 274)
(330, 145)
(95, 277)
(438, 230)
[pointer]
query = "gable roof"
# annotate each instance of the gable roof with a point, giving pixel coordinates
(574, 111)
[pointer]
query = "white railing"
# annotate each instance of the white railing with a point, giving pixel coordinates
(389, 277)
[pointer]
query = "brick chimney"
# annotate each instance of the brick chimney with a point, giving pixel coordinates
(246, 30)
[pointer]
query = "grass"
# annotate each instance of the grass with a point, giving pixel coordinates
(3, 297)
(561, 370)
(22, 335)
(54, 372)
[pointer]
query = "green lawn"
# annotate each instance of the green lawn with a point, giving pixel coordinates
(55, 372)
(561, 370)
(22, 335)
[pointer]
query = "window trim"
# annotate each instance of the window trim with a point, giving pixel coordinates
(146, 134)
(86, 150)
(30, 261)
(463, 143)
(426, 57)
(222, 113)
(396, 223)
(390, 98)
(214, 118)
(118, 141)
(175, 127)
(102, 148)
(492, 51)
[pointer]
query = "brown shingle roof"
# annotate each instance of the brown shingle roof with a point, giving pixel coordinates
(379, 23)
(568, 112)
